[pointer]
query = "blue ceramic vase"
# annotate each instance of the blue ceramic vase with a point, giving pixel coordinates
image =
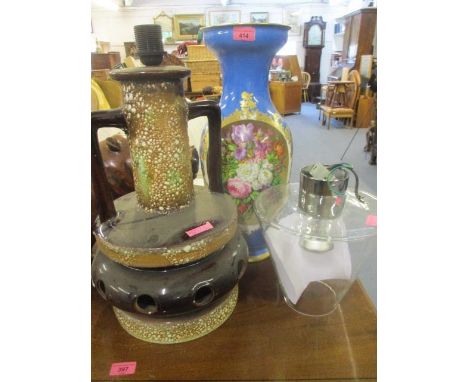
(256, 143)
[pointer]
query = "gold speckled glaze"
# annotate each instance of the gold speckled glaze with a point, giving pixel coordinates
(142, 239)
(168, 256)
(156, 113)
(178, 329)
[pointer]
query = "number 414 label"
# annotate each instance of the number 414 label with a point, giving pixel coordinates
(243, 33)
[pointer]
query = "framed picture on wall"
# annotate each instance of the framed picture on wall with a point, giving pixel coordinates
(224, 17)
(292, 17)
(166, 25)
(259, 17)
(186, 26)
(131, 49)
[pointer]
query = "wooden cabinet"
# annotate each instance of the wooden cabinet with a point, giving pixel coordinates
(359, 34)
(365, 111)
(312, 66)
(104, 60)
(286, 96)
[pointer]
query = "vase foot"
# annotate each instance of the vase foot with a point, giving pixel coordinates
(178, 329)
(263, 256)
(258, 249)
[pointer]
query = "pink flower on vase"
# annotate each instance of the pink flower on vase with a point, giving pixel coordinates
(238, 188)
(242, 133)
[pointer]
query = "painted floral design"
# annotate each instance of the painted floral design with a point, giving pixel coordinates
(238, 188)
(254, 158)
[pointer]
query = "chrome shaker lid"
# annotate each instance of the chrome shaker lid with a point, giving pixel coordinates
(318, 184)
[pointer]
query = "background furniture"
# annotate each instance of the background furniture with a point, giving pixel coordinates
(359, 34)
(335, 58)
(341, 99)
(286, 95)
(371, 145)
(204, 66)
(110, 90)
(365, 111)
(264, 339)
(104, 60)
(313, 53)
(337, 72)
(104, 46)
(305, 86)
(312, 66)
(101, 74)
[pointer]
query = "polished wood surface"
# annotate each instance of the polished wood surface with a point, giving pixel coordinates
(312, 66)
(360, 29)
(263, 340)
(104, 60)
(365, 112)
(313, 55)
(286, 96)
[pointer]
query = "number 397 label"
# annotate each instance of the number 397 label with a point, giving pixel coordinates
(122, 368)
(243, 33)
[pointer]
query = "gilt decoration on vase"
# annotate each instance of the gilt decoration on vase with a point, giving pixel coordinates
(256, 143)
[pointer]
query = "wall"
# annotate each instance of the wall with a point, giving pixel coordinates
(329, 14)
(116, 26)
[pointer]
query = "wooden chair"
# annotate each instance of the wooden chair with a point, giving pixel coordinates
(305, 86)
(323, 97)
(341, 99)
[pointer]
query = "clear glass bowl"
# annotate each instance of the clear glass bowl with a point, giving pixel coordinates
(316, 260)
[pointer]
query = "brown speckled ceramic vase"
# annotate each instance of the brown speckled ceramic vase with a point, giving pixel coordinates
(170, 254)
(147, 231)
(154, 116)
(155, 112)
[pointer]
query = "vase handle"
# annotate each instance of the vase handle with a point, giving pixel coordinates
(101, 187)
(211, 110)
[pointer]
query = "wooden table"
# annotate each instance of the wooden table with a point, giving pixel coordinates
(263, 340)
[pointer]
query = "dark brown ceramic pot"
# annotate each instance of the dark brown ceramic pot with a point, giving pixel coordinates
(175, 290)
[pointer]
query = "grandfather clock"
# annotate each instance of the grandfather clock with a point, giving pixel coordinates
(313, 42)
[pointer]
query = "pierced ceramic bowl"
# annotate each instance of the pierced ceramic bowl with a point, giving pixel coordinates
(164, 292)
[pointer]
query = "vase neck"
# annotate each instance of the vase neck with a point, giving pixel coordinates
(251, 70)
